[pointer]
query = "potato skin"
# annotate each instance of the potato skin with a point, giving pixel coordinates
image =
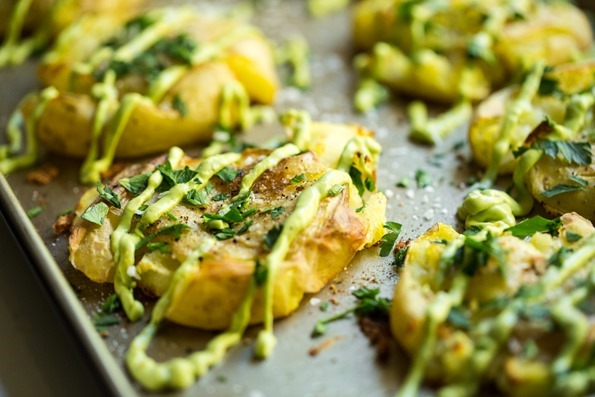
(65, 127)
(218, 285)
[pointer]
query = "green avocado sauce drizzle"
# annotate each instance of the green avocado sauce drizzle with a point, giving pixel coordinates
(10, 160)
(181, 372)
(15, 50)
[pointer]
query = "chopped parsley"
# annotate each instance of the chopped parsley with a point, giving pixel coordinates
(359, 182)
(260, 274)
(390, 238)
(225, 234)
(172, 177)
(162, 247)
(104, 317)
(368, 304)
(111, 304)
(228, 174)
(400, 256)
(221, 196)
(199, 197)
(178, 104)
(422, 178)
(572, 237)
(275, 211)
(171, 216)
(535, 224)
(403, 182)
(135, 184)
(578, 153)
(174, 231)
(272, 236)
(35, 211)
(458, 317)
(565, 188)
(108, 195)
(324, 306)
(96, 213)
(476, 254)
(558, 257)
(298, 178)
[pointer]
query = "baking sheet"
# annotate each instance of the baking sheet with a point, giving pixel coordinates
(349, 367)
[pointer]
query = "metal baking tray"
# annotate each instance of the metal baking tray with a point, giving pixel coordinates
(349, 367)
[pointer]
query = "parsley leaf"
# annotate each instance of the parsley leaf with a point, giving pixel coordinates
(389, 239)
(530, 226)
(96, 213)
(549, 86)
(400, 256)
(35, 211)
(172, 177)
(422, 178)
(572, 237)
(221, 197)
(174, 231)
(558, 257)
(197, 197)
(162, 247)
(298, 178)
(260, 273)
(459, 318)
(369, 303)
(578, 153)
(403, 182)
(271, 237)
(478, 253)
(144, 241)
(135, 184)
(111, 304)
(108, 195)
(225, 234)
(178, 104)
(228, 174)
(560, 189)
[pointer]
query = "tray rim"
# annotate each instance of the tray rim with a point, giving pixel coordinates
(105, 366)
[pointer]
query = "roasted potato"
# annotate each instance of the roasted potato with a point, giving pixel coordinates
(564, 100)
(164, 78)
(442, 51)
(508, 325)
(323, 249)
(29, 26)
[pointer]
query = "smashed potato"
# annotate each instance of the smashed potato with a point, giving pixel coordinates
(40, 21)
(232, 239)
(514, 310)
(542, 131)
(445, 51)
(164, 78)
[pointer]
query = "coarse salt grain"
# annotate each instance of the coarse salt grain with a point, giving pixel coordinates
(429, 214)
(314, 301)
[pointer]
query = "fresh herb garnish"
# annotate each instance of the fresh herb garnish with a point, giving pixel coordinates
(572, 237)
(400, 256)
(403, 182)
(271, 237)
(221, 197)
(101, 320)
(144, 241)
(260, 274)
(368, 304)
(390, 238)
(275, 211)
(324, 306)
(549, 86)
(478, 253)
(135, 184)
(535, 224)
(225, 234)
(578, 153)
(108, 195)
(171, 216)
(561, 189)
(228, 174)
(178, 104)
(96, 213)
(35, 211)
(558, 257)
(422, 178)
(162, 247)
(172, 177)
(174, 231)
(298, 178)
(111, 304)
(197, 197)
(459, 318)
